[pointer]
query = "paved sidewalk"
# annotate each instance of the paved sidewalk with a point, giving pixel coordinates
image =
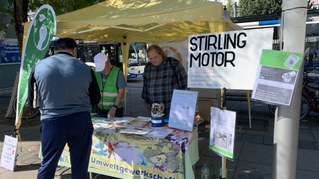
(253, 148)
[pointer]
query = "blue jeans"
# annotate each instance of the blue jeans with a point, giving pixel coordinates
(75, 130)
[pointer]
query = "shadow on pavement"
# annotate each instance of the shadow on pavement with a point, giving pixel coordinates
(20, 168)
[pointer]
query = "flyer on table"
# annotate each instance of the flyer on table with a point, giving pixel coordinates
(277, 76)
(222, 132)
(183, 108)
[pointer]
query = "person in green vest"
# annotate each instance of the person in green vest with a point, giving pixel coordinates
(112, 84)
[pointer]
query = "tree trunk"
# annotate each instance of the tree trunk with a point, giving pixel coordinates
(20, 15)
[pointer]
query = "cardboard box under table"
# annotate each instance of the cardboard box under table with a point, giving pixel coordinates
(119, 154)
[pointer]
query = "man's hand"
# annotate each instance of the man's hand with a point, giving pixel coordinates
(111, 113)
(147, 107)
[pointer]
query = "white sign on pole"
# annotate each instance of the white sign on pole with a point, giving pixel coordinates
(222, 132)
(9, 152)
(276, 77)
(226, 59)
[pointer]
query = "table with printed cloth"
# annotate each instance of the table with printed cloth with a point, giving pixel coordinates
(128, 155)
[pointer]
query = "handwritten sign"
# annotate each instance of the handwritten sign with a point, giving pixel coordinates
(9, 152)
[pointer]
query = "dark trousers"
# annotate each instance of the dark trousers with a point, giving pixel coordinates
(75, 130)
(103, 113)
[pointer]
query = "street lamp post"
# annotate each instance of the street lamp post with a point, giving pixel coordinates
(286, 130)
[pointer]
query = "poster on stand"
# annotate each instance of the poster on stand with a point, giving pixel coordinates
(222, 132)
(183, 108)
(276, 77)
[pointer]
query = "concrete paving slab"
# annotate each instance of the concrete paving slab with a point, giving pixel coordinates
(26, 172)
(305, 134)
(308, 160)
(303, 174)
(252, 170)
(257, 153)
(315, 134)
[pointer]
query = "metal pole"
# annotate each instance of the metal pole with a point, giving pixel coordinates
(224, 161)
(286, 130)
(235, 9)
(249, 107)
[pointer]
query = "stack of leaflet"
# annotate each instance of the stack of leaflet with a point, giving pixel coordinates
(135, 130)
(111, 125)
(137, 126)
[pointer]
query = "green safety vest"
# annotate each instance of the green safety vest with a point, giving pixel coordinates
(109, 91)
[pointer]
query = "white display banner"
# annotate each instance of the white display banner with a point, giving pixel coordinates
(226, 59)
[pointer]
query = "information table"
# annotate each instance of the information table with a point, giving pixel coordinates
(117, 151)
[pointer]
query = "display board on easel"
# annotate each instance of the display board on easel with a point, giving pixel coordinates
(226, 60)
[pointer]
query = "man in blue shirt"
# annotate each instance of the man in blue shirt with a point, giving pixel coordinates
(67, 90)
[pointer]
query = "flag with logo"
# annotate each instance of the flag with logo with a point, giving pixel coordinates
(38, 40)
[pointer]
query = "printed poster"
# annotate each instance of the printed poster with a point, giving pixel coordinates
(183, 108)
(134, 156)
(38, 41)
(277, 76)
(9, 51)
(222, 132)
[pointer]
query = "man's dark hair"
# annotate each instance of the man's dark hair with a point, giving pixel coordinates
(65, 43)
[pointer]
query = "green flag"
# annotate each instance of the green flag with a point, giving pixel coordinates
(38, 40)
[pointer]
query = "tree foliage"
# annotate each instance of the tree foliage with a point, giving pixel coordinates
(5, 13)
(259, 7)
(22, 7)
(63, 6)
(20, 16)
(230, 8)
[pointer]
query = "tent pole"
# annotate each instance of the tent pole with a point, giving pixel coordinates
(125, 50)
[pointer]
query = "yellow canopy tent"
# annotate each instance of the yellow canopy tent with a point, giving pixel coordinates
(151, 21)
